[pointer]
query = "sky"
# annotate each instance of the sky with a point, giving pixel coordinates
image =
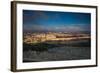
(44, 21)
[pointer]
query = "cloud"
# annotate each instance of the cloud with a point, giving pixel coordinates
(60, 28)
(71, 28)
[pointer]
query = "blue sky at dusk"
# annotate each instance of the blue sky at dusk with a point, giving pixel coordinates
(37, 21)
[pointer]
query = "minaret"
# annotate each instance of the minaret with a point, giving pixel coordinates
(45, 37)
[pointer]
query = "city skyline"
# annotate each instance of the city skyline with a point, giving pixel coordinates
(44, 21)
